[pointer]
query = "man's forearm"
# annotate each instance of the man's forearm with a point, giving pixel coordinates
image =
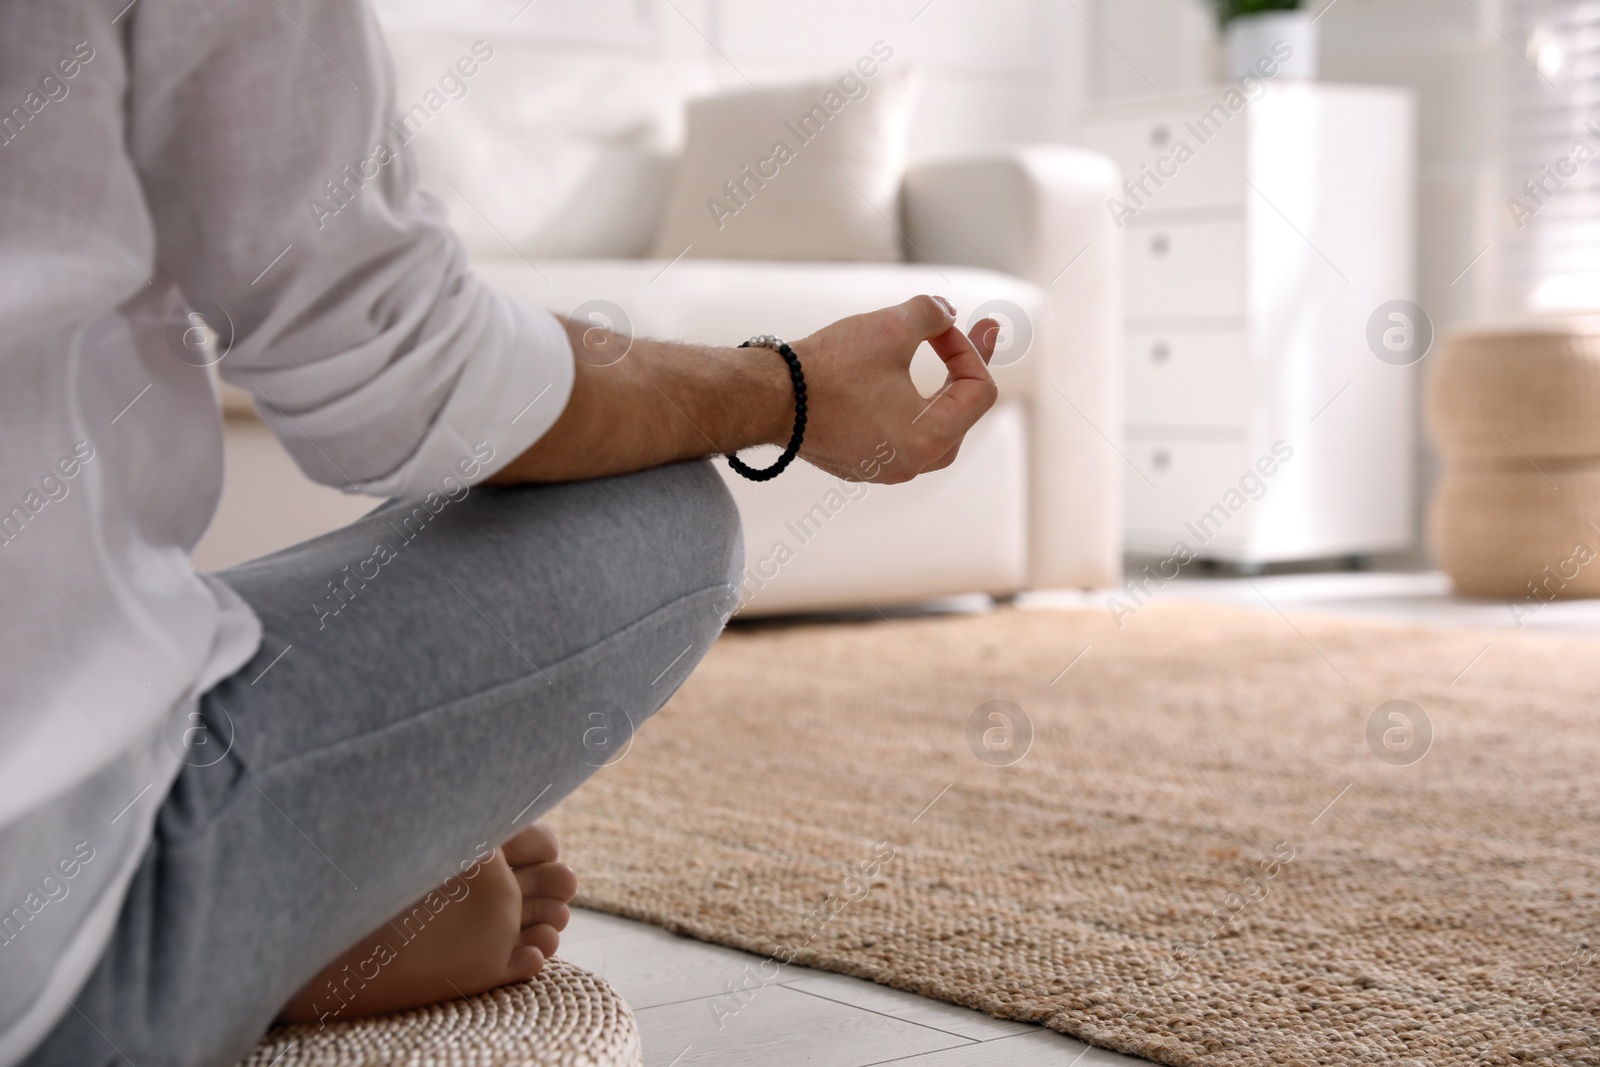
(654, 403)
(659, 403)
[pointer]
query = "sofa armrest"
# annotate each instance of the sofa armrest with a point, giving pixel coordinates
(1040, 213)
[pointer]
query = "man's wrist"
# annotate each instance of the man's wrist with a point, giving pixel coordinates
(752, 396)
(777, 391)
(657, 403)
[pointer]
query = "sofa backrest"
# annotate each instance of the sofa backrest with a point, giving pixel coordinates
(555, 152)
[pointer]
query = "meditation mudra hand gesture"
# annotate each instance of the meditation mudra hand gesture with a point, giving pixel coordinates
(663, 402)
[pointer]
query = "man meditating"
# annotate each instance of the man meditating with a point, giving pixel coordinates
(307, 788)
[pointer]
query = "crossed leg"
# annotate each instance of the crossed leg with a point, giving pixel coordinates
(403, 726)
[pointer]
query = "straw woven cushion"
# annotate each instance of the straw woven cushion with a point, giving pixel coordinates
(1510, 392)
(566, 1017)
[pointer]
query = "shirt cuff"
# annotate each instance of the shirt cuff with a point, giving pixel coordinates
(507, 396)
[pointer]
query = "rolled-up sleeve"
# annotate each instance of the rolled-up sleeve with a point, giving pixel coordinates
(278, 173)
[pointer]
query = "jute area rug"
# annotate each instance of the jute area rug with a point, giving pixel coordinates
(1223, 843)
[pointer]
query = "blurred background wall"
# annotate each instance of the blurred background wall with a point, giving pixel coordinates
(1000, 71)
(1010, 71)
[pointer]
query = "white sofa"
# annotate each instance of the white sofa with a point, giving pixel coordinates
(1034, 499)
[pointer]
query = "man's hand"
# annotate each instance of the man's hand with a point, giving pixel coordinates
(865, 420)
(859, 395)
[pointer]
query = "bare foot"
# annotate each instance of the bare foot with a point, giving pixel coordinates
(478, 930)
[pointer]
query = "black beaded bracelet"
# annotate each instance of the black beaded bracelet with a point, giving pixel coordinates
(799, 381)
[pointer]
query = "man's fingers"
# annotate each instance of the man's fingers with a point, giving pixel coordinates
(968, 392)
(928, 316)
(961, 355)
(985, 333)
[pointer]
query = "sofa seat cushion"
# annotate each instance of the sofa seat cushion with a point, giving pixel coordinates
(813, 542)
(723, 302)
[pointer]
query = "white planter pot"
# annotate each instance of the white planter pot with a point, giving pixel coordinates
(1256, 37)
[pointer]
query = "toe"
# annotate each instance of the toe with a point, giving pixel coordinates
(526, 962)
(552, 880)
(544, 938)
(536, 844)
(538, 911)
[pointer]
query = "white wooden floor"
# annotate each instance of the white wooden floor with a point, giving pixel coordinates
(675, 986)
(807, 1017)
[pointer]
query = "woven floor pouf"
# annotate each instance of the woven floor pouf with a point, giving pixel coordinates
(1515, 414)
(1521, 535)
(566, 1017)
(1516, 391)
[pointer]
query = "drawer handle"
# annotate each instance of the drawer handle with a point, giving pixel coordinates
(1159, 352)
(1159, 244)
(1161, 459)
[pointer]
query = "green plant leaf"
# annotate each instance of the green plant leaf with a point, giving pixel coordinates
(1228, 10)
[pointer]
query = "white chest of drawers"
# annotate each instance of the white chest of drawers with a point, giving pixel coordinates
(1261, 239)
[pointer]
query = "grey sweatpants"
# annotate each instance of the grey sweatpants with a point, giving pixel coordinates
(443, 695)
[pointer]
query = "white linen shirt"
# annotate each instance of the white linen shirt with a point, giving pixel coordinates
(162, 160)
